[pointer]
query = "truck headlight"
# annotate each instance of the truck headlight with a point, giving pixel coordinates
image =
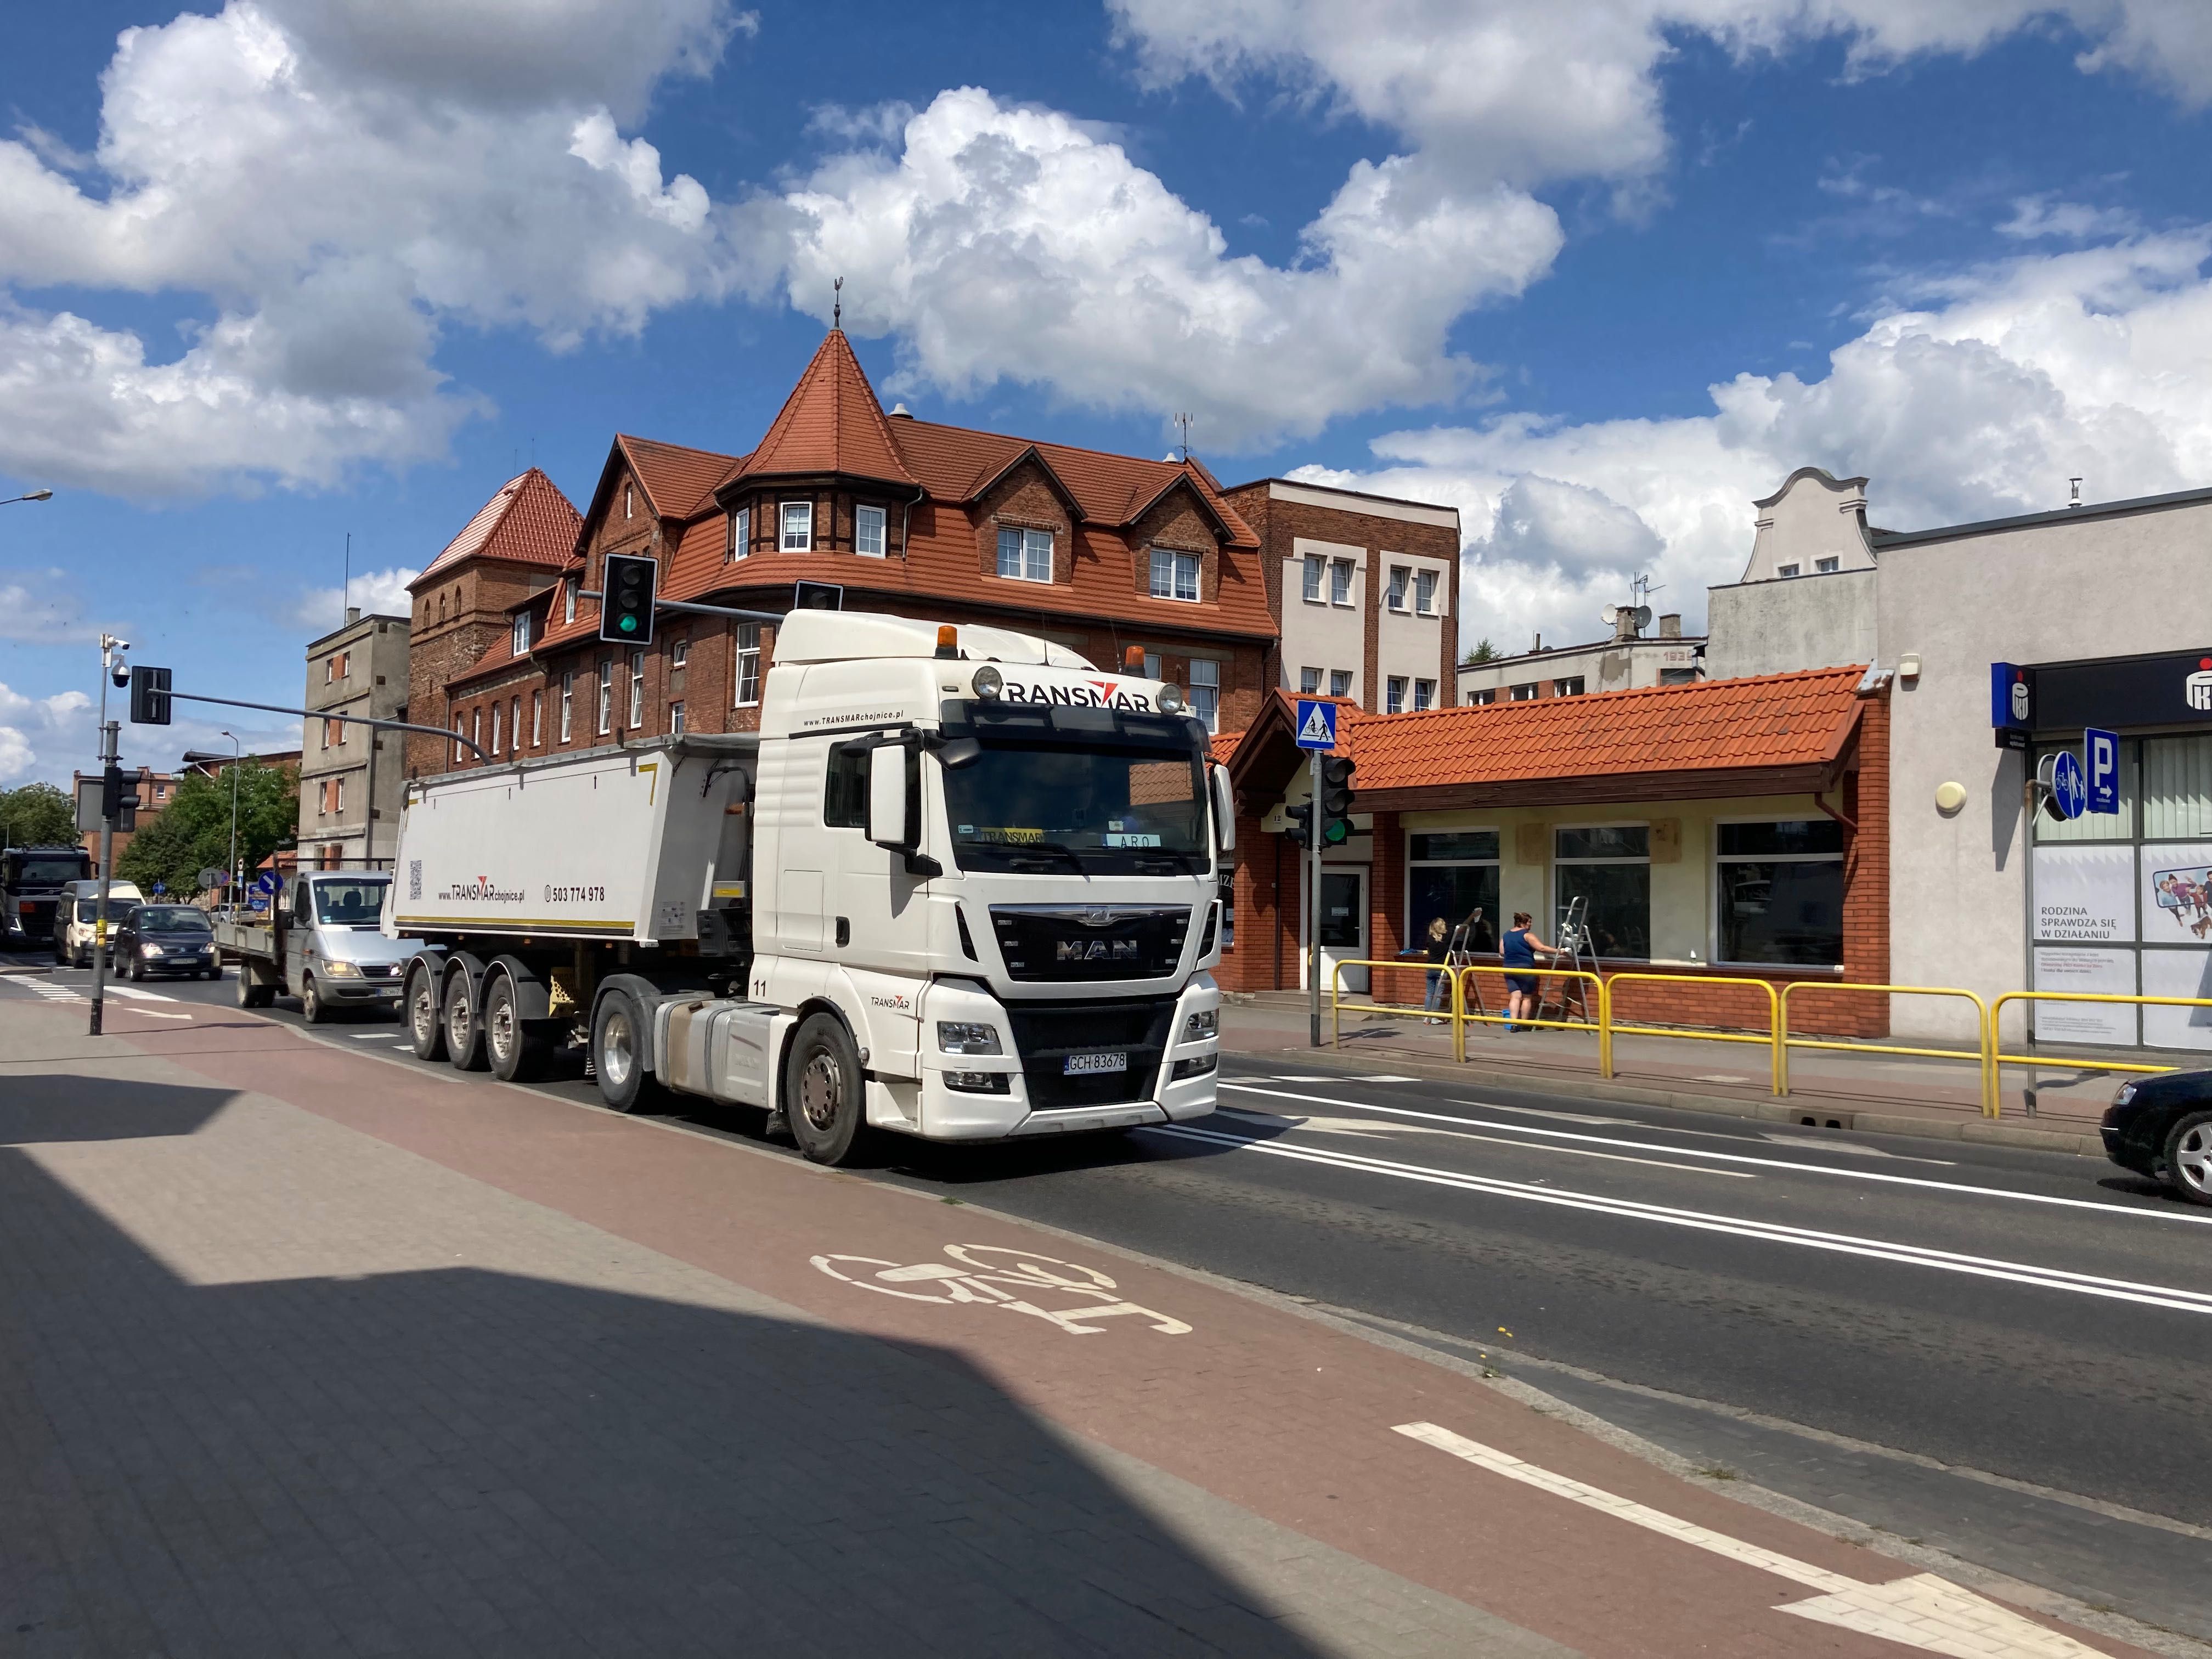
(341, 971)
(1170, 700)
(979, 1083)
(1196, 1066)
(967, 1037)
(1201, 1025)
(988, 682)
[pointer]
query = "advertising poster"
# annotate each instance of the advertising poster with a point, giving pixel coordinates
(2177, 893)
(2100, 973)
(2178, 974)
(2085, 895)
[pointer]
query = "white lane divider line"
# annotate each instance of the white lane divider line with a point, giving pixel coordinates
(1772, 1232)
(132, 994)
(1923, 1611)
(371, 1036)
(1756, 1160)
(1340, 1126)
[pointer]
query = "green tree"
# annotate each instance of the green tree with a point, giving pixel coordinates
(192, 833)
(37, 815)
(1484, 651)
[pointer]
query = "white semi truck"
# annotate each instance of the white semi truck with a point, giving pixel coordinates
(961, 884)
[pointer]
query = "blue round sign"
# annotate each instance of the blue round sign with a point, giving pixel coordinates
(2069, 787)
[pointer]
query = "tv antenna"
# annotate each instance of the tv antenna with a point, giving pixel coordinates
(1183, 422)
(837, 303)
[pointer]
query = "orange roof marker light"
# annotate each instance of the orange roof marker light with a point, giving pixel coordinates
(948, 640)
(1132, 660)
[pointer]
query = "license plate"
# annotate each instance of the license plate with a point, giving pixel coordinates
(1091, 1064)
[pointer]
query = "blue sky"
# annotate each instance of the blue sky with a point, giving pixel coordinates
(1597, 272)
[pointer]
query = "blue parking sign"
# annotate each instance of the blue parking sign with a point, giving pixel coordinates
(1316, 724)
(2101, 749)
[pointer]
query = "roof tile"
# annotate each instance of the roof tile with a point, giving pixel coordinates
(527, 521)
(831, 423)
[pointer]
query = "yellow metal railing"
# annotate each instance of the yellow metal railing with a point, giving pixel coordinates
(1771, 1039)
(1998, 1058)
(1601, 1024)
(1784, 1042)
(1396, 1009)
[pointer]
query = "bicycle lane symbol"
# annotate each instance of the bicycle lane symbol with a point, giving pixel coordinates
(996, 1276)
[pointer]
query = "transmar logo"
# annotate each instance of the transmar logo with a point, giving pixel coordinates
(481, 891)
(1091, 694)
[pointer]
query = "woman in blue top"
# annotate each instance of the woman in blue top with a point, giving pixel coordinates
(1520, 948)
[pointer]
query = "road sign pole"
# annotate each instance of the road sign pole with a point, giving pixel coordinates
(109, 731)
(1313, 902)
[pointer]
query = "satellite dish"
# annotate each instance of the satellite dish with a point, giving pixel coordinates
(1642, 618)
(1609, 615)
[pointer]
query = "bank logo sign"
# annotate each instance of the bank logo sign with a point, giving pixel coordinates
(2197, 688)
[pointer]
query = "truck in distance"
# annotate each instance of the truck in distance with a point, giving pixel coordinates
(324, 943)
(960, 885)
(31, 883)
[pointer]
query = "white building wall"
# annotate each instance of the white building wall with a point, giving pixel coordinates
(1409, 644)
(1325, 635)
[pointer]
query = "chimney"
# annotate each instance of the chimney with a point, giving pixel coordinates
(1539, 644)
(1670, 626)
(353, 614)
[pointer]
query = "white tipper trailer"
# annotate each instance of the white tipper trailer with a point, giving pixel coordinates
(961, 884)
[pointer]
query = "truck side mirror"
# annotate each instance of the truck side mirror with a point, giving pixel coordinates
(1225, 808)
(887, 824)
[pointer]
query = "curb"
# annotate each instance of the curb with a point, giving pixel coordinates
(1979, 1131)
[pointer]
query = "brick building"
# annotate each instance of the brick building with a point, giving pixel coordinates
(1736, 827)
(1099, 552)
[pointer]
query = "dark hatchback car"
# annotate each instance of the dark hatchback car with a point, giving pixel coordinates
(166, 938)
(2162, 1126)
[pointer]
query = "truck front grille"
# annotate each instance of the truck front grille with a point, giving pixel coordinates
(1046, 1033)
(1088, 942)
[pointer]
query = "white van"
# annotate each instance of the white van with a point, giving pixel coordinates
(77, 918)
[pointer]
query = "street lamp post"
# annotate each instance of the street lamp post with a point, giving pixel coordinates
(237, 761)
(32, 495)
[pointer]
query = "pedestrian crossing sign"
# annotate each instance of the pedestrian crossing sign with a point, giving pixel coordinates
(1316, 724)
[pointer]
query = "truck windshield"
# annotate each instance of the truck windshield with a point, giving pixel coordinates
(1033, 804)
(344, 903)
(171, 919)
(45, 872)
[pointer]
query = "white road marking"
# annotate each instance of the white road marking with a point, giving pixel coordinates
(1967, 1188)
(1353, 1126)
(1918, 1255)
(132, 994)
(993, 1283)
(1923, 1611)
(371, 1036)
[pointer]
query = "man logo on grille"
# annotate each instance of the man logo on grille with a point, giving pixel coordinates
(1094, 950)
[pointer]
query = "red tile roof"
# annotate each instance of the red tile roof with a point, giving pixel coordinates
(1770, 721)
(527, 521)
(831, 423)
(679, 480)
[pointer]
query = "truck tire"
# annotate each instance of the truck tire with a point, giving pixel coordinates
(465, 1043)
(313, 1008)
(514, 999)
(618, 1036)
(251, 992)
(824, 1092)
(426, 1024)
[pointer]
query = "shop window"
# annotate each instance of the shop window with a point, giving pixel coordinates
(1780, 888)
(1452, 874)
(1205, 692)
(2177, 787)
(1314, 563)
(1609, 866)
(1339, 682)
(797, 527)
(748, 667)
(1393, 695)
(1025, 554)
(1175, 576)
(1310, 681)
(2107, 826)
(868, 532)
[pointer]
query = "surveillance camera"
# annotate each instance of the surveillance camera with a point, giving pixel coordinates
(121, 673)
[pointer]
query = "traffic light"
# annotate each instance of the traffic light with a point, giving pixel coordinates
(626, 598)
(1335, 815)
(149, 696)
(1299, 831)
(117, 799)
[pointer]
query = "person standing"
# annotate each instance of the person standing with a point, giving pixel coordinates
(1520, 949)
(1437, 947)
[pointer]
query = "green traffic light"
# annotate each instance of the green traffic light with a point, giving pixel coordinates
(628, 625)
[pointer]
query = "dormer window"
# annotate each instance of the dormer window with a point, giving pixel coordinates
(568, 600)
(1025, 554)
(797, 527)
(521, 641)
(868, 532)
(1175, 576)
(741, 533)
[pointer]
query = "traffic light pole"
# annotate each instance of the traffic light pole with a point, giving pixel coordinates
(109, 732)
(1313, 902)
(343, 719)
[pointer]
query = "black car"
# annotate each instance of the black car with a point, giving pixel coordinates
(2162, 1126)
(165, 938)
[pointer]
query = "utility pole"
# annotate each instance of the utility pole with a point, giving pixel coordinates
(111, 653)
(1312, 899)
(237, 763)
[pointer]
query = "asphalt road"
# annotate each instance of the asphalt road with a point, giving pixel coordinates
(2002, 1352)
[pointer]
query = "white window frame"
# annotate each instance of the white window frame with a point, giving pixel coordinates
(1425, 584)
(1339, 581)
(1717, 858)
(1482, 698)
(679, 652)
(1345, 678)
(1316, 568)
(1174, 562)
(340, 782)
(537, 718)
(1206, 691)
(606, 710)
(871, 523)
(1020, 551)
(1524, 692)
(476, 728)
(746, 676)
(629, 502)
(1786, 571)
(1425, 695)
(1570, 685)
(1310, 682)
(796, 533)
(676, 718)
(460, 720)
(568, 599)
(1829, 566)
(498, 724)
(568, 704)
(636, 690)
(1393, 695)
(518, 637)
(1402, 577)
(741, 535)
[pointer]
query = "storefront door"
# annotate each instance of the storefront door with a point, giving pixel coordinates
(1343, 928)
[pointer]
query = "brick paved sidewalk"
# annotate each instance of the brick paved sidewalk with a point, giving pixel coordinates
(302, 1350)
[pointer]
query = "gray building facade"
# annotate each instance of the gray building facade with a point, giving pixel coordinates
(352, 778)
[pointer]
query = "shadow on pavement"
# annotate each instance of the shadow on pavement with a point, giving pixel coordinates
(472, 1461)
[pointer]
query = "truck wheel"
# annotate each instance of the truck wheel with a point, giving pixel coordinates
(313, 1008)
(825, 1098)
(619, 1054)
(464, 1044)
(423, 1024)
(515, 999)
(2189, 1157)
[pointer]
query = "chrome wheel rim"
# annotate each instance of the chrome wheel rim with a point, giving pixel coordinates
(457, 1019)
(617, 1050)
(2192, 1158)
(821, 1092)
(310, 999)
(499, 1030)
(423, 1012)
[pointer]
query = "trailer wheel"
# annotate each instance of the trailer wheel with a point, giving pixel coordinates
(424, 1025)
(515, 999)
(619, 1054)
(465, 1043)
(825, 1097)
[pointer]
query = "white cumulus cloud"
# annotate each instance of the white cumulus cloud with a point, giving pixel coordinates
(44, 738)
(374, 593)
